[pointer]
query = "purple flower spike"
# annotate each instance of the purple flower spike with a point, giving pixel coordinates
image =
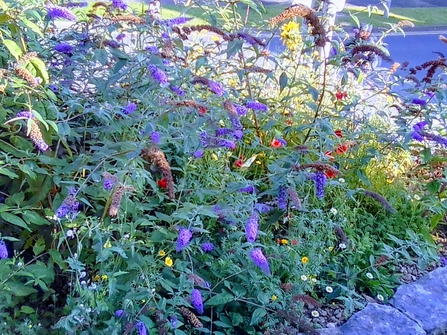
(130, 108)
(241, 110)
(419, 126)
(173, 320)
(57, 12)
(64, 48)
(248, 189)
(419, 102)
(251, 228)
(227, 144)
(177, 21)
(263, 208)
(120, 37)
(197, 300)
(3, 250)
(141, 328)
(207, 247)
(259, 259)
(282, 198)
(152, 49)
(184, 236)
(216, 88)
(320, 182)
(158, 75)
(416, 136)
(255, 105)
(177, 90)
(443, 261)
(120, 313)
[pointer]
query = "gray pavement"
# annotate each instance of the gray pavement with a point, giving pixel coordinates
(402, 3)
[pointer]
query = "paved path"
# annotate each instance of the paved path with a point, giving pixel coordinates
(402, 3)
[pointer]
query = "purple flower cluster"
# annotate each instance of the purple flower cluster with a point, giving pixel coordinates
(248, 189)
(173, 320)
(120, 313)
(69, 207)
(241, 110)
(197, 300)
(282, 198)
(224, 131)
(120, 37)
(152, 49)
(263, 208)
(57, 12)
(227, 144)
(319, 179)
(216, 88)
(130, 108)
(260, 261)
(207, 247)
(251, 228)
(155, 137)
(184, 236)
(177, 90)
(141, 328)
(258, 106)
(64, 48)
(198, 154)
(177, 21)
(119, 4)
(419, 134)
(3, 250)
(215, 142)
(158, 74)
(108, 183)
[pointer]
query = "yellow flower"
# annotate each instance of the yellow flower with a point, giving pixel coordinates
(168, 261)
(274, 297)
(161, 253)
(104, 277)
(331, 248)
(229, 154)
(284, 241)
(107, 245)
(214, 156)
(291, 35)
(215, 38)
(258, 162)
(305, 259)
(96, 278)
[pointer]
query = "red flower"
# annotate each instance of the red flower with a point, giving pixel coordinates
(341, 95)
(163, 183)
(341, 148)
(338, 133)
(289, 122)
(238, 163)
(202, 110)
(275, 143)
(294, 242)
(329, 173)
(329, 155)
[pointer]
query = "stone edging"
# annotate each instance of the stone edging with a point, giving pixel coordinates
(417, 308)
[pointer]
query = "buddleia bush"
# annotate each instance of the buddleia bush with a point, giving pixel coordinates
(163, 176)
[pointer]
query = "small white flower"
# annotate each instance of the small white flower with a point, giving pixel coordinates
(70, 233)
(19, 264)
(342, 246)
(303, 277)
(315, 314)
(369, 275)
(126, 236)
(83, 282)
(333, 211)
(314, 280)
(341, 180)
(82, 275)
(93, 286)
(380, 297)
(75, 255)
(416, 197)
(88, 310)
(329, 289)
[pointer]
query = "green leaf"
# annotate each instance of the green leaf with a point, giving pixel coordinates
(39, 247)
(101, 56)
(41, 69)
(258, 314)
(220, 299)
(19, 289)
(27, 310)
(14, 219)
(31, 25)
(283, 81)
(233, 47)
(26, 169)
(8, 173)
(13, 48)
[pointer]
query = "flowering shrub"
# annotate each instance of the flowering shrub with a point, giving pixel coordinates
(149, 171)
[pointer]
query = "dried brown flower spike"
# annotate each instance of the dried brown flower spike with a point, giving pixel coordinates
(191, 317)
(27, 76)
(157, 157)
(116, 199)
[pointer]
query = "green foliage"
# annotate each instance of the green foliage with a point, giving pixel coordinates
(111, 163)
